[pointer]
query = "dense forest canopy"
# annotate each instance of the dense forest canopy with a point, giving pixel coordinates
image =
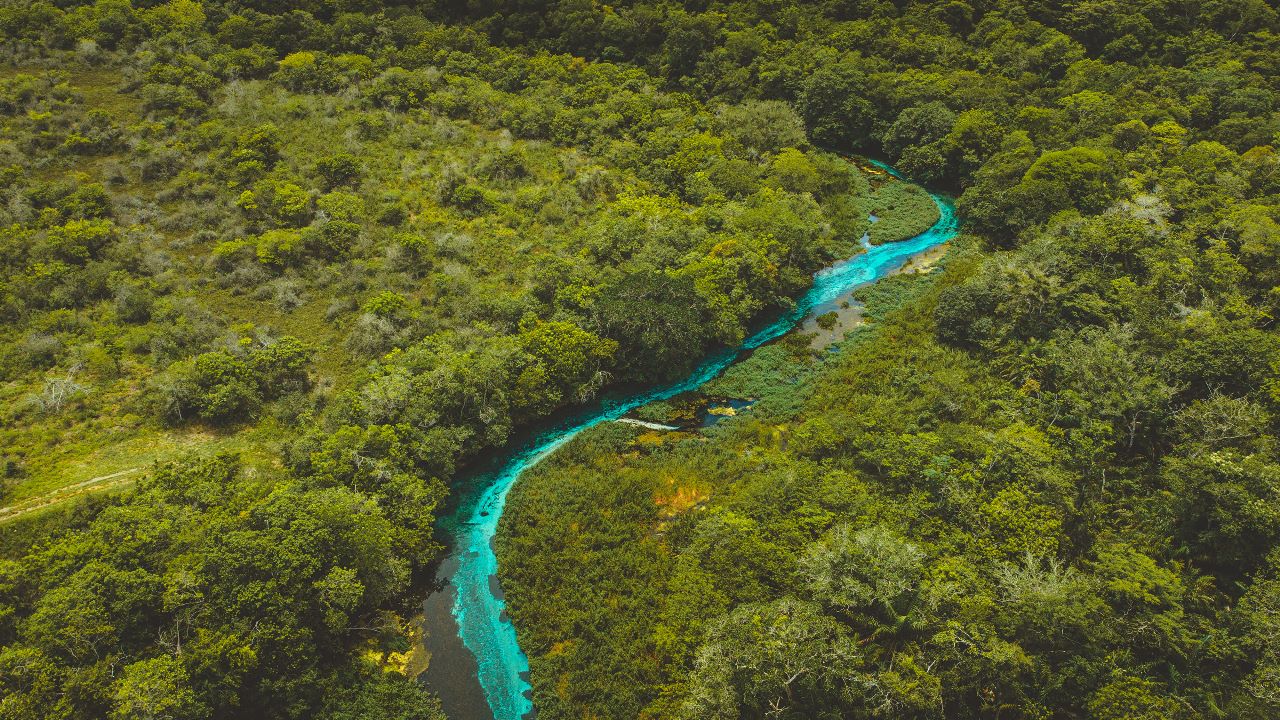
(338, 248)
(336, 273)
(1043, 483)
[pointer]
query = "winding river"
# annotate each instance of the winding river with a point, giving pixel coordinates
(468, 592)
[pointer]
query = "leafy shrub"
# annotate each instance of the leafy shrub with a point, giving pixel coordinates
(308, 71)
(37, 350)
(223, 387)
(338, 170)
(472, 199)
(372, 335)
(400, 89)
(277, 201)
(166, 99)
(133, 303)
(341, 206)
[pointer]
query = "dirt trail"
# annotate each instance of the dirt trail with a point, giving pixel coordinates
(102, 482)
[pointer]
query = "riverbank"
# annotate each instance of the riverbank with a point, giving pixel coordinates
(469, 576)
(589, 543)
(830, 323)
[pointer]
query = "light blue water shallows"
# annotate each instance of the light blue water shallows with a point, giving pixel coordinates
(480, 613)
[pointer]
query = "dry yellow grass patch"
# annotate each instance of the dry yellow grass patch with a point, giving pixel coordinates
(679, 494)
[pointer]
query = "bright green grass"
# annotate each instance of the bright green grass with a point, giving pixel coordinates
(90, 451)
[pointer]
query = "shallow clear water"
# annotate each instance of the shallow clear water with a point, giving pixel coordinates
(478, 606)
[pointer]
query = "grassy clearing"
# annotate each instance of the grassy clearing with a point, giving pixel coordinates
(475, 278)
(92, 455)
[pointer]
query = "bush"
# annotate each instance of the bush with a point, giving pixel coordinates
(904, 211)
(280, 248)
(307, 71)
(223, 387)
(38, 350)
(400, 89)
(133, 303)
(281, 367)
(281, 202)
(288, 295)
(764, 126)
(183, 328)
(372, 335)
(338, 170)
(472, 199)
(161, 98)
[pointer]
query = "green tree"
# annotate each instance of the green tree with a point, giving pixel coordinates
(650, 313)
(1132, 698)
(793, 172)
(836, 108)
(763, 126)
(156, 689)
(1078, 178)
(870, 570)
(783, 657)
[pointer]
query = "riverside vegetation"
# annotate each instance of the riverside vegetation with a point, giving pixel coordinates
(1044, 482)
(336, 254)
(358, 243)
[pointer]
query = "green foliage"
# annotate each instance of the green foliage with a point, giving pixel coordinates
(870, 570)
(1042, 484)
(651, 314)
(156, 688)
(226, 387)
(234, 595)
(835, 106)
(901, 211)
(782, 655)
(763, 126)
(1038, 483)
(338, 170)
(566, 358)
(1132, 698)
(378, 695)
(1076, 178)
(793, 172)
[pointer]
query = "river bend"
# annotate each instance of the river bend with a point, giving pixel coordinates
(468, 577)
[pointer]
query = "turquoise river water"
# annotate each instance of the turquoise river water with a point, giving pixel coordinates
(469, 576)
